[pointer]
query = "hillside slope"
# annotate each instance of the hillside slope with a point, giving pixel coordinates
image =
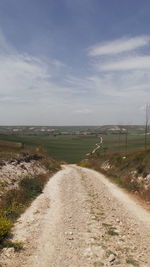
(23, 173)
(130, 170)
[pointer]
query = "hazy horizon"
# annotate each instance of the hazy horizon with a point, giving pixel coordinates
(80, 125)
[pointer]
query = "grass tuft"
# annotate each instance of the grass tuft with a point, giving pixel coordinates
(132, 261)
(5, 227)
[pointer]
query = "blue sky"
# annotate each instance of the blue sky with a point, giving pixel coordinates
(74, 62)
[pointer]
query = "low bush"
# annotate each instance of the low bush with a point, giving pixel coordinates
(5, 227)
(13, 211)
(51, 164)
(12, 198)
(9, 244)
(31, 186)
(85, 164)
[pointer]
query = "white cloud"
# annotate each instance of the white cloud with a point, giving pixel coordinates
(20, 74)
(37, 91)
(83, 111)
(29, 93)
(27, 79)
(125, 85)
(5, 47)
(58, 64)
(129, 63)
(119, 46)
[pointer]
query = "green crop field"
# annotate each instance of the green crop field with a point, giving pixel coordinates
(114, 143)
(72, 148)
(68, 148)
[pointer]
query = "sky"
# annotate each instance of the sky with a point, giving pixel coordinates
(74, 62)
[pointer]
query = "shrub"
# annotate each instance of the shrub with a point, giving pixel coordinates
(132, 261)
(111, 231)
(51, 164)
(11, 198)
(5, 227)
(31, 186)
(9, 244)
(14, 211)
(85, 164)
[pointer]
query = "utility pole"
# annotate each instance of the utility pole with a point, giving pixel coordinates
(126, 140)
(147, 115)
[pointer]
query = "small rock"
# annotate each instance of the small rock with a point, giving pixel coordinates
(88, 252)
(70, 238)
(111, 257)
(98, 251)
(8, 252)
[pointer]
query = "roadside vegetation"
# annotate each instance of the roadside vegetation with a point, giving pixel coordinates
(130, 170)
(16, 200)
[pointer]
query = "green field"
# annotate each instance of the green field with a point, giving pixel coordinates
(74, 148)
(68, 148)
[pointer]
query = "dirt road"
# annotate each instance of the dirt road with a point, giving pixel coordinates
(97, 146)
(81, 220)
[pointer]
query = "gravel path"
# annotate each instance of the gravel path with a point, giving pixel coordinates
(81, 220)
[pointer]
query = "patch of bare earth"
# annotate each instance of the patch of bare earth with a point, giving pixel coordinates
(81, 219)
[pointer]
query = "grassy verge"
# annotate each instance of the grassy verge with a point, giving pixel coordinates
(15, 201)
(131, 171)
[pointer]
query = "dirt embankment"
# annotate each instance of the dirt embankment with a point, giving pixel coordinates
(81, 219)
(130, 170)
(12, 171)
